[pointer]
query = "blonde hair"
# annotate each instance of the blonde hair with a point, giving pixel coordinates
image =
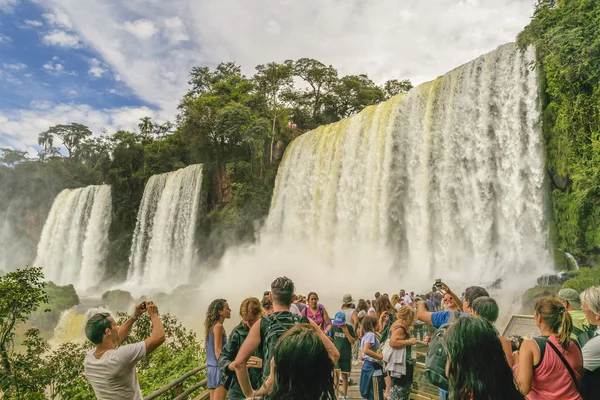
(591, 298)
(252, 306)
(406, 315)
(395, 299)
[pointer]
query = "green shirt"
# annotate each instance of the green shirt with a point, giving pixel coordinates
(341, 342)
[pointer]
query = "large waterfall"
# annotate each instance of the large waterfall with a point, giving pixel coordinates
(72, 248)
(449, 178)
(164, 248)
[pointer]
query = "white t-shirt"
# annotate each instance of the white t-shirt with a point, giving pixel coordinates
(113, 376)
(591, 353)
(372, 311)
(397, 306)
(294, 309)
(407, 299)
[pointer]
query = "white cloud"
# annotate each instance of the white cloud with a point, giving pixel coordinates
(33, 23)
(5, 39)
(61, 39)
(56, 67)
(96, 69)
(8, 6)
(15, 66)
(142, 28)
(58, 18)
(20, 128)
(7, 77)
(175, 30)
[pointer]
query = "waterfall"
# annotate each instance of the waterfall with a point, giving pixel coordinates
(449, 177)
(572, 261)
(163, 249)
(72, 247)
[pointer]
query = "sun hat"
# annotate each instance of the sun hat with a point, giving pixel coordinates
(572, 296)
(339, 319)
(347, 299)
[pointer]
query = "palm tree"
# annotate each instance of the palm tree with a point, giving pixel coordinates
(146, 126)
(46, 140)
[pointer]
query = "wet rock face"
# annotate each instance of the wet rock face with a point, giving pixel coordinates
(561, 182)
(552, 279)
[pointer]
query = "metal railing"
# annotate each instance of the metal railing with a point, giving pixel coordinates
(178, 383)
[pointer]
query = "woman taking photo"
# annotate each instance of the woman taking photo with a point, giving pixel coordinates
(317, 313)
(550, 366)
(251, 312)
(477, 368)
(215, 339)
(401, 341)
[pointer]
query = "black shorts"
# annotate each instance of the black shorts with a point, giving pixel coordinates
(345, 365)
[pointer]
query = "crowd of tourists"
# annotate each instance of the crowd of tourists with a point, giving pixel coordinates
(286, 346)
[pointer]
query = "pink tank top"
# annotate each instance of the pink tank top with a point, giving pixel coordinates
(551, 378)
(318, 317)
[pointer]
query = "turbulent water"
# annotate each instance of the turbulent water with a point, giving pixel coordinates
(448, 178)
(72, 247)
(164, 247)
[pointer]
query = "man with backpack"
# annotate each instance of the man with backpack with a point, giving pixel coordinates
(435, 361)
(582, 332)
(267, 332)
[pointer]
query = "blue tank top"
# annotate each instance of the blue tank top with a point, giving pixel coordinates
(211, 359)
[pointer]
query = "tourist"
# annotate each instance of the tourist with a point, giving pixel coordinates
(343, 339)
(298, 303)
(396, 301)
(266, 333)
(487, 308)
(317, 313)
(349, 311)
(401, 365)
(407, 298)
(439, 318)
(267, 306)
(302, 366)
(590, 304)
(572, 303)
(371, 374)
(550, 366)
(215, 338)
(476, 366)
(386, 315)
(251, 312)
(449, 303)
(430, 303)
(362, 311)
(111, 369)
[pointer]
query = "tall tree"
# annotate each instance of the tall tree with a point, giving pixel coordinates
(71, 135)
(46, 141)
(274, 80)
(146, 127)
(394, 87)
(351, 94)
(321, 80)
(11, 157)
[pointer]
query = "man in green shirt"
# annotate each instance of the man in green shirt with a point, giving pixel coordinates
(570, 300)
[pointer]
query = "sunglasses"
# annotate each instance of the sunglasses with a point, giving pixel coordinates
(448, 300)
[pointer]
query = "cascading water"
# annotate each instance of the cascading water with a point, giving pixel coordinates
(449, 178)
(73, 244)
(163, 249)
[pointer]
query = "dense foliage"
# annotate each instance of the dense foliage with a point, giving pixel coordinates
(35, 371)
(567, 37)
(237, 126)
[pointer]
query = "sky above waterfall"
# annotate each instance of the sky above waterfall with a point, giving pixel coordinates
(107, 63)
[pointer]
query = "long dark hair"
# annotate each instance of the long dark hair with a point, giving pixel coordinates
(362, 305)
(213, 315)
(302, 367)
(556, 317)
(478, 367)
(383, 304)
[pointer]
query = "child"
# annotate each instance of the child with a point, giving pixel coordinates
(372, 383)
(343, 339)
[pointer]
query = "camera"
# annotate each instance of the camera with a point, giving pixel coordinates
(143, 305)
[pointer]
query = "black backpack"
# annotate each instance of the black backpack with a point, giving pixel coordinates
(435, 361)
(584, 335)
(272, 327)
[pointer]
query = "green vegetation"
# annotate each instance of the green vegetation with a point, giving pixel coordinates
(34, 371)
(567, 37)
(237, 126)
(60, 298)
(583, 279)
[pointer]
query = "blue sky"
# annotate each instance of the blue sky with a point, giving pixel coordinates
(107, 63)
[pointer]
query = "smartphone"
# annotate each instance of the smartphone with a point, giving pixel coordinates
(143, 305)
(438, 283)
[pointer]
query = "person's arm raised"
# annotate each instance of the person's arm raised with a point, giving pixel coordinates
(334, 354)
(456, 299)
(240, 364)
(157, 336)
(422, 312)
(125, 328)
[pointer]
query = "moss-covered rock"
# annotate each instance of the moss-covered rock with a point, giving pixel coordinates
(118, 300)
(60, 298)
(534, 294)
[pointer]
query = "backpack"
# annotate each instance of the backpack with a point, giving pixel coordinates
(435, 361)
(272, 327)
(304, 313)
(584, 335)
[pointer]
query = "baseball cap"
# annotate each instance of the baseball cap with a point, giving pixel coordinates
(339, 319)
(572, 296)
(347, 299)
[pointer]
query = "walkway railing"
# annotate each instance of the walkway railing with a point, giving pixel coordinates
(178, 383)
